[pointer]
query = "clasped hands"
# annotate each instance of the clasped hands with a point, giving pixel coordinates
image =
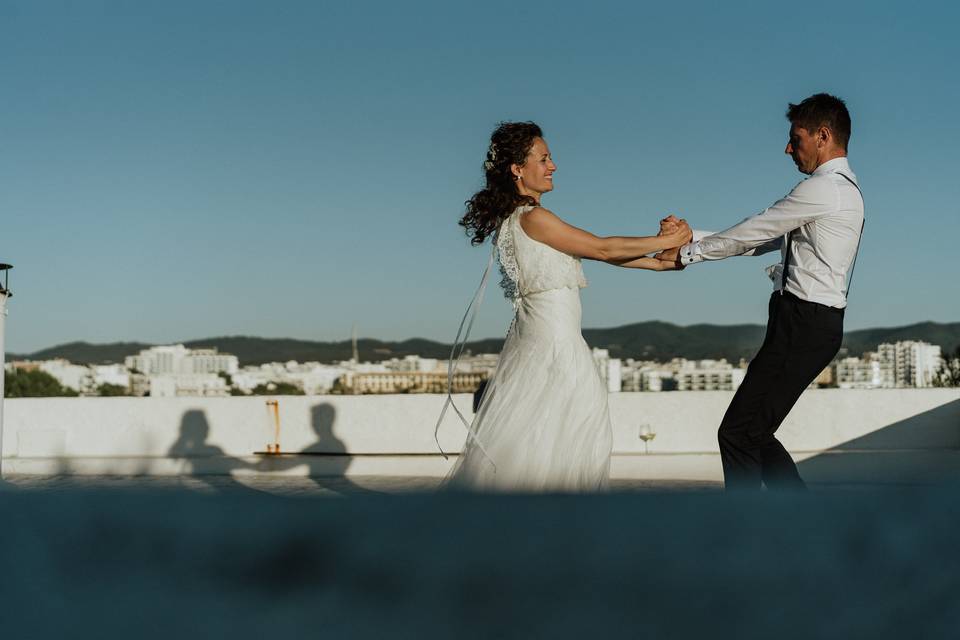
(679, 233)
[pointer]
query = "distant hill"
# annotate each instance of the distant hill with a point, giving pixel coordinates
(945, 335)
(85, 353)
(644, 340)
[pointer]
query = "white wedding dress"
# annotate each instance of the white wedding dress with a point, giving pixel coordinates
(543, 424)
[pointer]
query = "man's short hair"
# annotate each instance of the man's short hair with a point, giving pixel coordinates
(822, 110)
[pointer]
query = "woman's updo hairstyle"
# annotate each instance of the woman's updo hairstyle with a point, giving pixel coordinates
(509, 145)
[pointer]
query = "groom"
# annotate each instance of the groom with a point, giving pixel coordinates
(817, 228)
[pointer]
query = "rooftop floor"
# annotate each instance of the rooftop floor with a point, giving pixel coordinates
(212, 556)
(292, 485)
(335, 487)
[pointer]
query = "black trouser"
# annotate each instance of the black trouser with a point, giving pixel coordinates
(802, 338)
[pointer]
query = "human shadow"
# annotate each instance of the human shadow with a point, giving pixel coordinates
(921, 449)
(206, 462)
(327, 458)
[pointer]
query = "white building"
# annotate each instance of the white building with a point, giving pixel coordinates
(80, 377)
(74, 376)
(906, 364)
(174, 370)
(248, 378)
(485, 363)
(209, 361)
(158, 360)
(363, 367)
(115, 374)
(708, 375)
(912, 363)
(614, 375)
(610, 369)
(643, 375)
(188, 384)
(410, 382)
(644, 379)
(412, 363)
(860, 373)
(313, 378)
(177, 359)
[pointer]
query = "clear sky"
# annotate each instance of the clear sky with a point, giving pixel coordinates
(181, 170)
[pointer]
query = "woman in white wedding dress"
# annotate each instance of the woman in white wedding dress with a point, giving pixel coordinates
(543, 422)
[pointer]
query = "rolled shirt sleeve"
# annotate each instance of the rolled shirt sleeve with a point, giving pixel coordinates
(690, 253)
(764, 232)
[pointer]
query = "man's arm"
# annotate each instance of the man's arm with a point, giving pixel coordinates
(766, 247)
(764, 232)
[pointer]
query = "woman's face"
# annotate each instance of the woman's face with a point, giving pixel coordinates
(536, 174)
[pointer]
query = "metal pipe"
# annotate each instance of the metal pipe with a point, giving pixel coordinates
(4, 295)
(273, 407)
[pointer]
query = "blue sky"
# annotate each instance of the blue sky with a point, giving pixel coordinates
(180, 170)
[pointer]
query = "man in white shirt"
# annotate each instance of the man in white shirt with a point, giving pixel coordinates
(817, 227)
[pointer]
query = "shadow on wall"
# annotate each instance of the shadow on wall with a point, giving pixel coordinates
(327, 459)
(923, 449)
(199, 457)
(328, 455)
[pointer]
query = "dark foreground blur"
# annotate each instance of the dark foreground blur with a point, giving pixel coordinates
(164, 562)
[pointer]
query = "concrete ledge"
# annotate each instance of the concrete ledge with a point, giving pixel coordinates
(837, 435)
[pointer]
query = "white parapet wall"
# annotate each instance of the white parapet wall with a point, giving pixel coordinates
(849, 436)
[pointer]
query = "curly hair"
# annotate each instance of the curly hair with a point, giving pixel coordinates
(509, 144)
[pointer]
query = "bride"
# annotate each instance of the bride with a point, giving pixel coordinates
(543, 423)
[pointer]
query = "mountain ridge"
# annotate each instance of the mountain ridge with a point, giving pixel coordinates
(653, 340)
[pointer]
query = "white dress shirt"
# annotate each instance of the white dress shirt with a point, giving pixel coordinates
(826, 211)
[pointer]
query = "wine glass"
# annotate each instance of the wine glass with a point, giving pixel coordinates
(647, 434)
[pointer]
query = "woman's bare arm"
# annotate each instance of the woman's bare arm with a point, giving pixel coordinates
(653, 264)
(542, 225)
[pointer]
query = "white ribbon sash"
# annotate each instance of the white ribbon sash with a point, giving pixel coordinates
(455, 353)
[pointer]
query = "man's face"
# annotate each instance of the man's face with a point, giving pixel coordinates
(802, 147)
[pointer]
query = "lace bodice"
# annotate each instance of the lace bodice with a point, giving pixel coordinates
(529, 266)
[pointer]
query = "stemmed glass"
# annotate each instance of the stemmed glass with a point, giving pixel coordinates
(647, 434)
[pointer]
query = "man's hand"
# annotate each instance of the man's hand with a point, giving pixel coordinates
(671, 259)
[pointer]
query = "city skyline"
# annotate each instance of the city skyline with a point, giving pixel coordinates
(175, 370)
(196, 170)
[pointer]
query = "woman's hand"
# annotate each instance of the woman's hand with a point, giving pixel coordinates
(675, 231)
(668, 224)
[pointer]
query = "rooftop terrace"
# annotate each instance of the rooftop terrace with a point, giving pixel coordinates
(157, 519)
